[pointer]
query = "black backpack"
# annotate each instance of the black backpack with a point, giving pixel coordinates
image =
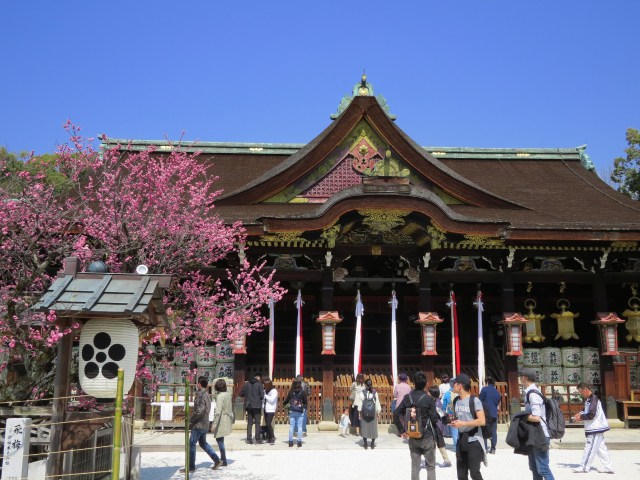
(296, 402)
(486, 431)
(555, 417)
(369, 406)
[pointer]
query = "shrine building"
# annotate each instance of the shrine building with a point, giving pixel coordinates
(551, 250)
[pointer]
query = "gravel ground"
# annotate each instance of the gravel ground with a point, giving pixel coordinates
(382, 463)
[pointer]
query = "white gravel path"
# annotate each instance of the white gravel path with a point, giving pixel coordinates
(309, 464)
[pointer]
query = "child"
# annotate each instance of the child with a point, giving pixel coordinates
(434, 391)
(345, 422)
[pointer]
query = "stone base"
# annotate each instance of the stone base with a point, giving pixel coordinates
(240, 425)
(615, 423)
(327, 426)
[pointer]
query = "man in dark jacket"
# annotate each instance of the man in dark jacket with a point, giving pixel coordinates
(423, 406)
(199, 425)
(490, 396)
(253, 394)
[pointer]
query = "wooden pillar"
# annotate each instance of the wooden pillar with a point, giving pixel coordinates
(424, 305)
(510, 362)
(239, 373)
(327, 289)
(607, 373)
(59, 411)
(328, 368)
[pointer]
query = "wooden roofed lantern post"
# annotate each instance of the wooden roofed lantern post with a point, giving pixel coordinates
(328, 321)
(608, 324)
(111, 309)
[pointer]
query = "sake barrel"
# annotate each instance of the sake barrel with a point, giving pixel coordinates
(520, 360)
(164, 375)
(184, 356)
(591, 375)
(572, 375)
(590, 357)
(560, 394)
(224, 369)
(181, 373)
(552, 375)
(207, 372)
(224, 351)
(551, 357)
(165, 354)
(532, 357)
(571, 357)
(206, 356)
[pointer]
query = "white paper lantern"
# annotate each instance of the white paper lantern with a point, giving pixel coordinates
(105, 346)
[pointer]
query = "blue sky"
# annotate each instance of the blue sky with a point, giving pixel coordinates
(473, 73)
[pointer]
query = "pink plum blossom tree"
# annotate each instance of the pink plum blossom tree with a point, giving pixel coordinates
(124, 208)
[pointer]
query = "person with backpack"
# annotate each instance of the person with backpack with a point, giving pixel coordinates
(469, 418)
(297, 401)
(307, 390)
(369, 406)
(595, 424)
(535, 407)
(421, 416)
(490, 396)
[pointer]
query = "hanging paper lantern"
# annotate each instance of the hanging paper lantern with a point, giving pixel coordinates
(107, 345)
(565, 318)
(533, 326)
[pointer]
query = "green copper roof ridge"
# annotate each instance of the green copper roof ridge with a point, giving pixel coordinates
(196, 143)
(121, 141)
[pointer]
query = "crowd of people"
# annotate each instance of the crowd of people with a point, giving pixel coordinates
(422, 416)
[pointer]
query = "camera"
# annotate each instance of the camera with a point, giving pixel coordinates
(448, 418)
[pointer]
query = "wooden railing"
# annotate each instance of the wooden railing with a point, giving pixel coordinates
(314, 402)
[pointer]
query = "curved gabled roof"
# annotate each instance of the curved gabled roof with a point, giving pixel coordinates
(311, 156)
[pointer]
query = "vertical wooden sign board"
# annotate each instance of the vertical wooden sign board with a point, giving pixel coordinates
(15, 464)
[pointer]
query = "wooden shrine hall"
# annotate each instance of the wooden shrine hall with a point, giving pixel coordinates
(362, 208)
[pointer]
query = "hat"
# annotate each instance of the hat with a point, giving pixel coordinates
(403, 377)
(462, 379)
(529, 374)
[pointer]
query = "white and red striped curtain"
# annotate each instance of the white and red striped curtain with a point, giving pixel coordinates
(357, 348)
(299, 351)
